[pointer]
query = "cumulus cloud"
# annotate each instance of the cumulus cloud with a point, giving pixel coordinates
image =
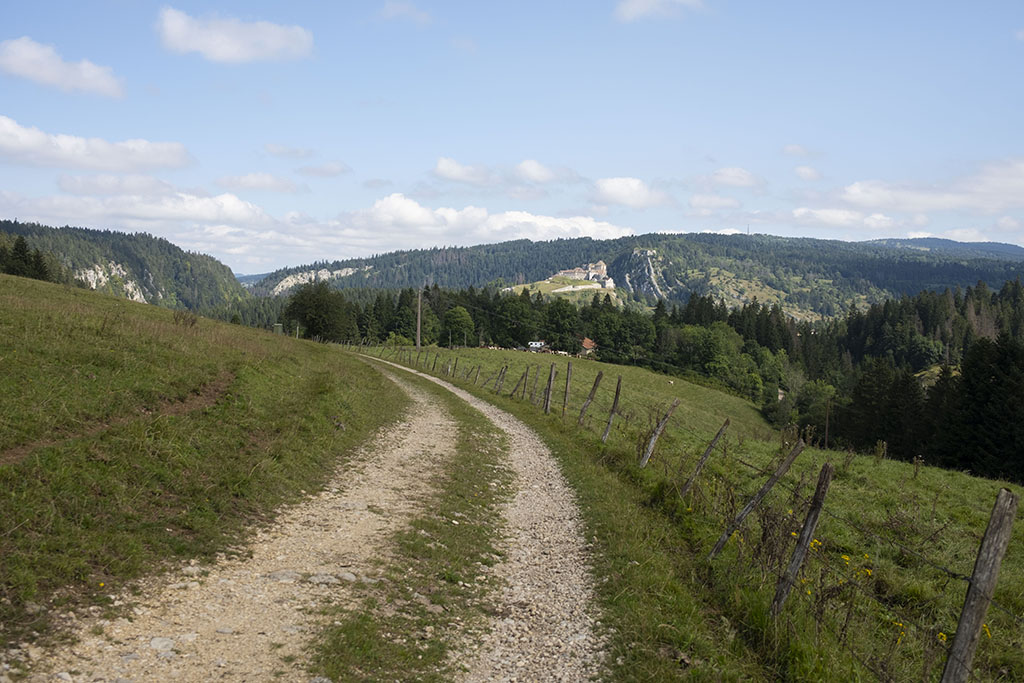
(808, 173)
(258, 181)
(143, 210)
(795, 150)
(632, 10)
(996, 187)
(26, 58)
(327, 170)
(631, 192)
(843, 218)
(286, 152)
(712, 202)
(1008, 223)
(232, 41)
(533, 171)
(406, 11)
(21, 144)
(734, 176)
(449, 169)
(107, 184)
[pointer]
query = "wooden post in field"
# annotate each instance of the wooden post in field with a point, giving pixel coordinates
(477, 376)
(756, 500)
(521, 378)
(611, 413)
(590, 398)
(657, 433)
(501, 379)
(533, 391)
(434, 366)
(547, 392)
(526, 381)
(418, 358)
(568, 381)
(803, 542)
(982, 586)
(703, 459)
(455, 368)
(489, 379)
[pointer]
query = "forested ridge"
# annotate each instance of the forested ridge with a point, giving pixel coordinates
(807, 277)
(140, 265)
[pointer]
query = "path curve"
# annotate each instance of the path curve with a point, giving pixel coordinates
(250, 619)
(545, 627)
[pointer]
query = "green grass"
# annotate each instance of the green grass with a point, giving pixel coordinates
(393, 635)
(105, 471)
(881, 610)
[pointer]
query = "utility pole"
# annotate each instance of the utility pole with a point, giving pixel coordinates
(419, 316)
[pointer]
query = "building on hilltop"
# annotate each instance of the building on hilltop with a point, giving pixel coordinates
(593, 271)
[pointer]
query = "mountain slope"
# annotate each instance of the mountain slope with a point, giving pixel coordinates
(137, 266)
(808, 277)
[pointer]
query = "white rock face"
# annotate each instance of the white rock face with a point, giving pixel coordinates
(302, 278)
(99, 275)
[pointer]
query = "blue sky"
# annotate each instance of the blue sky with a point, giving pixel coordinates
(271, 134)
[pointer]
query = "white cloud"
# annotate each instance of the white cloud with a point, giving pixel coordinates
(258, 181)
(327, 170)
(631, 192)
(404, 10)
(712, 202)
(26, 58)
(1008, 223)
(734, 176)
(533, 171)
(808, 173)
(142, 211)
(286, 152)
(34, 147)
(106, 184)
(449, 169)
(794, 150)
(966, 235)
(837, 218)
(230, 40)
(631, 10)
(879, 221)
(1019, 34)
(998, 186)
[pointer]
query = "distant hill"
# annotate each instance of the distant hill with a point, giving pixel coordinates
(136, 266)
(807, 277)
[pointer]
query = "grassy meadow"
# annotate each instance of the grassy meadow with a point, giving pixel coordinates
(133, 436)
(881, 591)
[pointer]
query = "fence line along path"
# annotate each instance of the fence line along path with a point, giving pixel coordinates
(547, 608)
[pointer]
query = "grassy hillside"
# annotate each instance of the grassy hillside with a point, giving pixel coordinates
(881, 591)
(132, 435)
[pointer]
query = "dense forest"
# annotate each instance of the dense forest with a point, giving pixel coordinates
(137, 265)
(17, 259)
(938, 376)
(809, 278)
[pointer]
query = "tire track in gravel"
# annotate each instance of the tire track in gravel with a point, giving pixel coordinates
(251, 619)
(545, 626)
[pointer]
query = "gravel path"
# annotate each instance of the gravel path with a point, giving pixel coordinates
(545, 628)
(250, 619)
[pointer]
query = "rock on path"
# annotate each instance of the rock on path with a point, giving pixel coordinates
(545, 628)
(249, 619)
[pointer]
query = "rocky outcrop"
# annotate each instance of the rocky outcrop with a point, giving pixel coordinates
(296, 279)
(115, 278)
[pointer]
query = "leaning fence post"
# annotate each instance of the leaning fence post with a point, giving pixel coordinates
(455, 368)
(657, 433)
(981, 588)
(526, 381)
(547, 392)
(521, 378)
(703, 459)
(568, 379)
(615, 409)
(501, 380)
(758, 497)
(477, 375)
(590, 398)
(533, 390)
(434, 366)
(787, 580)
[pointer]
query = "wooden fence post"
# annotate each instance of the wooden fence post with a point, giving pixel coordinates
(521, 378)
(455, 368)
(547, 392)
(434, 366)
(568, 380)
(982, 586)
(803, 542)
(501, 379)
(490, 378)
(526, 382)
(758, 497)
(533, 390)
(615, 409)
(590, 398)
(657, 433)
(477, 375)
(703, 459)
